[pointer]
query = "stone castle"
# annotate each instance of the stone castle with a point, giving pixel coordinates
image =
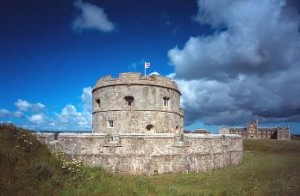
(253, 131)
(138, 129)
(135, 104)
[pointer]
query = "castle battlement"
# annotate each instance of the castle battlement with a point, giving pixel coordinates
(138, 129)
(149, 153)
(136, 79)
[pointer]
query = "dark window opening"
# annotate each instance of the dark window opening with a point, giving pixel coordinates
(166, 101)
(56, 135)
(149, 127)
(98, 102)
(274, 135)
(110, 123)
(129, 100)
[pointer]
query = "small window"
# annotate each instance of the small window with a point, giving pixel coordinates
(98, 102)
(166, 101)
(149, 127)
(129, 100)
(110, 124)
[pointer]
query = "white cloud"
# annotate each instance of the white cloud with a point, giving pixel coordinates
(37, 118)
(92, 17)
(37, 107)
(249, 67)
(86, 99)
(4, 113)
(24, 105)
(72, 119)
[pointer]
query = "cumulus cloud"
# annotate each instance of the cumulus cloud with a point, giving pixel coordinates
(71, 118)
(4, 113)
(37, 119)
(249, 67)
(24, 105)
(91, 17)
(35, 116)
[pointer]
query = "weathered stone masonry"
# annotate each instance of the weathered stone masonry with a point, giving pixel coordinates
(135, 104)
(150, 154)
(137, 129)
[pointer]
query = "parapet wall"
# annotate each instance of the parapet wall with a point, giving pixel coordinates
(136, 78)
(149, 154)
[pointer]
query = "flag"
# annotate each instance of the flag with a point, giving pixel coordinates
(147, 65)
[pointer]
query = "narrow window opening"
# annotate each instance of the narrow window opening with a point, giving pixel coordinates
(129, 100)
(149, 127)
(110, 123)
(166, 101)
(98, 102)
(56, 135)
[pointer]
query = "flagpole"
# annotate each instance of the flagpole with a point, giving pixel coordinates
(146, 65)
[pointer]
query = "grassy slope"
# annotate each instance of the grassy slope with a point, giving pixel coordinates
(268, 168)
(28, 168)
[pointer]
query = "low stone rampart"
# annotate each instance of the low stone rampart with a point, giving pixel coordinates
(149, 154)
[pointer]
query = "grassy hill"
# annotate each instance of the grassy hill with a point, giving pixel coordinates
(27, 168)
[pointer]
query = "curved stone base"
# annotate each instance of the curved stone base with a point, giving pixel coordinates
(149, 154)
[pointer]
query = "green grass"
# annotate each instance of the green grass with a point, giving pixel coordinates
(27, 168)
(268, 168)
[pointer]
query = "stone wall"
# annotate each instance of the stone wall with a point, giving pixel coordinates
(154, 105)
(138, 129)
(149, 153)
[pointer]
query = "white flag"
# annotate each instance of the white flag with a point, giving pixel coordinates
(147, 64)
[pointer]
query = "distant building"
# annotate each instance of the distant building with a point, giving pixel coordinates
(252, 131)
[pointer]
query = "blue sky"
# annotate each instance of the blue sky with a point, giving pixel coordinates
(234, 61)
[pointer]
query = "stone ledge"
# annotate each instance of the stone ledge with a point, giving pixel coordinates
(112, 144)
(146, 135)
(180, 113)
(138, 135)
(211, 136)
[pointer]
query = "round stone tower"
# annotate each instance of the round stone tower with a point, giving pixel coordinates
(136, 104)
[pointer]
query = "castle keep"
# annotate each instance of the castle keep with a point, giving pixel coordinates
(137, 129)
(135, 104)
